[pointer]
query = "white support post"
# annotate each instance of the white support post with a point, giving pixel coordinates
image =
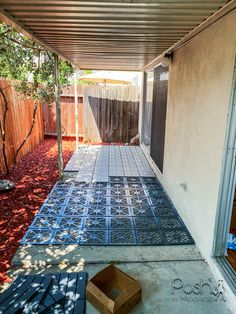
(58, 115)
(76, 110)
(142, 100)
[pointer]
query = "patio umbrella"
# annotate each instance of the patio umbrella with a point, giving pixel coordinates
(108, 77)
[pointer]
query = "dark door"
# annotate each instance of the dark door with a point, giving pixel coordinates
(159, 105)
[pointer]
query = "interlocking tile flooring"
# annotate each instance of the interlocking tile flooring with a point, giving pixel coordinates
(124, 211)
(97, 163)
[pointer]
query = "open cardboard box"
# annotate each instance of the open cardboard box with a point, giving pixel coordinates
(113, 291)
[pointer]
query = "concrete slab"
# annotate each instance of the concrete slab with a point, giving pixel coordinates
(56, 254)
(157, 280)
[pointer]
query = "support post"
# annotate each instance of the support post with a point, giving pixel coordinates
(76, 110)
(58, 114)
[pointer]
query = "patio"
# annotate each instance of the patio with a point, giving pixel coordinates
(109, 196)
(108, 205)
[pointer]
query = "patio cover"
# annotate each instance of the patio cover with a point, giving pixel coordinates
(109, 35)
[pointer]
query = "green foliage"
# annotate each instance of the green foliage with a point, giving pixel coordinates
(29, 65)
(66, 71)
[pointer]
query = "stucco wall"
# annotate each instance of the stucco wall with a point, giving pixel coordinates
(198, 102)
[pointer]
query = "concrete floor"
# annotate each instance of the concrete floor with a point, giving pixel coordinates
(157, 297)
(31, 255)
(155, 267)
(157, 280)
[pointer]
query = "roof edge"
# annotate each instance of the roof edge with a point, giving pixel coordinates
(227, 8)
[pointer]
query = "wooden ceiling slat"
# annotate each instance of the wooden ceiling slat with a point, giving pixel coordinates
(105, 45)
(112, 56)
(112, 50)
(107, 10)
(115, 2)
(113, 28)
(125, 39)
(133, 33)
(146, 52)
(111, 16)
(156, 22)
(68, 34)
(69, 6)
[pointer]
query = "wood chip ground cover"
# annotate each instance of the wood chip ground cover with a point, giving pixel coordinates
(34, 176)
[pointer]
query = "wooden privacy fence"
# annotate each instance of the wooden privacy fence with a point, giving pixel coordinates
(18, 123)
(67, 113)
(106, 113)
(111, 113)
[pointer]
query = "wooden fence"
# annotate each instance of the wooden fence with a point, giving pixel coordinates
(18, 122)
(67, 113)
(19, 117)
(111, 113)
(106, 113)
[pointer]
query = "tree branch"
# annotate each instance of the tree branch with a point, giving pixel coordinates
(25, 45)
(3, 129)
(28, 134)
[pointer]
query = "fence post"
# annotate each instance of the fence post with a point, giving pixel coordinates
(76, 110)
(58, 115)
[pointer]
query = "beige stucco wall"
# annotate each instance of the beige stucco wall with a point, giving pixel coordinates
(198, 102)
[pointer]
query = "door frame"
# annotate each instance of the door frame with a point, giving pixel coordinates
(226, 192)
(143, 99)
(143, 102)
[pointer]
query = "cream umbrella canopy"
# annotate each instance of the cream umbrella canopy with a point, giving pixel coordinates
(109, 77)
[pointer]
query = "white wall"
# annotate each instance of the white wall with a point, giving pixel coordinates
(198, 102)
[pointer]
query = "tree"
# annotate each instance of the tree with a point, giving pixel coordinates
(31, 70)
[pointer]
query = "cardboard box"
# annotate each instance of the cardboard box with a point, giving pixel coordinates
(113, 291)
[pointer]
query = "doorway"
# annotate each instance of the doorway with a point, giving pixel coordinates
(225, 219)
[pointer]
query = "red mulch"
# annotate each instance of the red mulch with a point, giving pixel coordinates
(34, 176)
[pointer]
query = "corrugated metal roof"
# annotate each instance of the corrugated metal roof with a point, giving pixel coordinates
(115, 35)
